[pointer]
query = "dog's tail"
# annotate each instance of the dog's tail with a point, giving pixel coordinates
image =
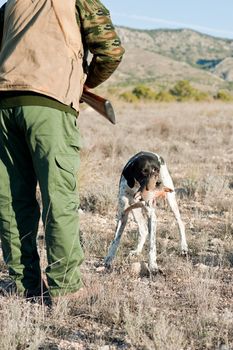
(166, 177)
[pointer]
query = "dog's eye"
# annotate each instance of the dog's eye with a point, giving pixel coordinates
(155, 171)
(145, 172)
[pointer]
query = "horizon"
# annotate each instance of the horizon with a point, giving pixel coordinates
(173, 29)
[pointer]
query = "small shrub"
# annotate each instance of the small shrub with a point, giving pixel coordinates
(184, 91)
(99, 200)
(224, 95)
(129, 97)
(164, 96)
(202, 96)
(144, 92)
(22, 326)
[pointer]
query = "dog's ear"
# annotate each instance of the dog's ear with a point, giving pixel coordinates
(128, 174)
(161, 160)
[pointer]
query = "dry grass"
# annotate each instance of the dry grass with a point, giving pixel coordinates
(22, 325)
(191, 306)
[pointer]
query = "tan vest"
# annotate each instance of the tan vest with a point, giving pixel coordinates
(42, 50)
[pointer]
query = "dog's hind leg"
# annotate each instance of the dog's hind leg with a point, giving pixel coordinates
(121, 223)
(167, 181)
(143, 230)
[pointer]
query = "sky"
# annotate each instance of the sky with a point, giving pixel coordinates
(214, 17)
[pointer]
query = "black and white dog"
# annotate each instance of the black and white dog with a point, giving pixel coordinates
(137, 192)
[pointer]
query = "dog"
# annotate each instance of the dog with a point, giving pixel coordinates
(138, 192)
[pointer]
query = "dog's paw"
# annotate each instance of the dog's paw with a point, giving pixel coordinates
(184, 251)
(108, 263)
(154, 272)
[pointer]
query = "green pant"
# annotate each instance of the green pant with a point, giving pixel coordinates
(40, 144)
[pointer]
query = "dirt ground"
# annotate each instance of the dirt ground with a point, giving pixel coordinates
(190, 305)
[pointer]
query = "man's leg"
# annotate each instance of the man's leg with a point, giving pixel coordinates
(19, 210)
(54, 144)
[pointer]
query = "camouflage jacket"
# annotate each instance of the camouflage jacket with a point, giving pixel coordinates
(99, 37)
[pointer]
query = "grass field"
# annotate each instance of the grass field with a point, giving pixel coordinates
(190, 306)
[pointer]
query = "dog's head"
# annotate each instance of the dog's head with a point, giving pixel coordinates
(145, 170)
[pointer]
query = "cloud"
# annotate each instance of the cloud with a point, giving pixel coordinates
(174, 23)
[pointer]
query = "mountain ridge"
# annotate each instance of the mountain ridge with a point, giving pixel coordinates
(168, 55)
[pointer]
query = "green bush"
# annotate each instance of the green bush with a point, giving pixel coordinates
(144, 92)
(164, 96)
(224, 95)
(128, 96)
(183, 90)
(202, 96)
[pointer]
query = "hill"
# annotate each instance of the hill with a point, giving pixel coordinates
(225, 69)
(163, 56)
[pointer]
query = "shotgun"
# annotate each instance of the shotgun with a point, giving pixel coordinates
(99, 104)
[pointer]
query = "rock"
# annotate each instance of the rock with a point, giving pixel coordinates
(100, 268)
(140, 269)
(202, 267)
(135, 268)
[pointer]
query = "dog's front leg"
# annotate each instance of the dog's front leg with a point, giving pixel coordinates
(122, 221)
(143, 230)
(152, 223)
(175, 209)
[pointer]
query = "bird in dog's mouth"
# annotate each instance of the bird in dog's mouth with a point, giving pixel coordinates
(149, 192)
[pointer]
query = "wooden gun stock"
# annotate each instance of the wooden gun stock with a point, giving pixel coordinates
(99, 104)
